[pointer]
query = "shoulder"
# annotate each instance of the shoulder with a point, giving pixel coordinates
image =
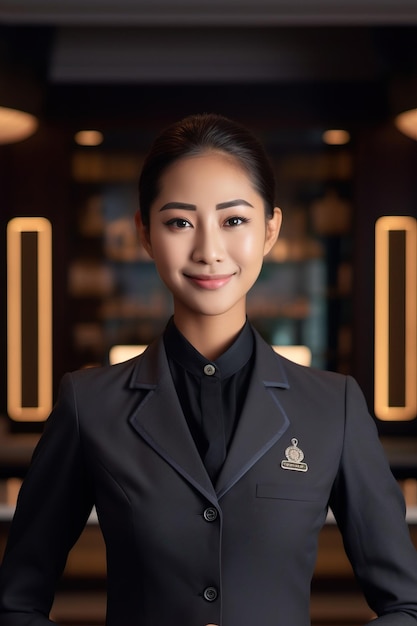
(105, 373)
(103, 380)
(293, 372)
(312, 376)
(313, 384)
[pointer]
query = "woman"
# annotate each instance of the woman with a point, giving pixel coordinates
(211, 460)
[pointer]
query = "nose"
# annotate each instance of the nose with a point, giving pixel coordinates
(208, 246)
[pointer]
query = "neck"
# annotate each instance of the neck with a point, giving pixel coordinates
(211, 335)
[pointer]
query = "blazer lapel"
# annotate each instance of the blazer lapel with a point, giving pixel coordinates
(159, 419)
(263, 420)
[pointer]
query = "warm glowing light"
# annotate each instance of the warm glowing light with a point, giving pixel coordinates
(298, 354)
(336, 137)
(385, 226)
(118, 354)
(16, 125)
(406, 122)
(89, 138)
(17, 349)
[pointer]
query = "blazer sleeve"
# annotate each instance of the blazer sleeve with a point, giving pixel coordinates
(53, 506)
(370, 512)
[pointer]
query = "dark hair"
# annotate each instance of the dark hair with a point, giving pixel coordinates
(197, 134)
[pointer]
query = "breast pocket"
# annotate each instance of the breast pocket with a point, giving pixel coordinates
(288, 492)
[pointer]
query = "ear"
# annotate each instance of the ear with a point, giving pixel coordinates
(143, 233)
(273, 226)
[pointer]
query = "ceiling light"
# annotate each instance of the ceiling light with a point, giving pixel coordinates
(89, 138)
(406, 123)
(336, 137)
(16, 125)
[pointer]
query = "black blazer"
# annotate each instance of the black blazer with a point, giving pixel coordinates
(184, 552)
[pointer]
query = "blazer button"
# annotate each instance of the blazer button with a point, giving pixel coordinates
(210, 594)
(210, 514)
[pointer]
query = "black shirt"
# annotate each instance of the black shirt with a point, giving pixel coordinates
(211, 393)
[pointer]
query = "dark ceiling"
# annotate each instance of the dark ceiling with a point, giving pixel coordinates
(284, 78)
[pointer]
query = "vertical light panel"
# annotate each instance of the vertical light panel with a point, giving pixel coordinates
(29, 318)
(396, 318)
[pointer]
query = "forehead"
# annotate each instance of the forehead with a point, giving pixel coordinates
(210, 170)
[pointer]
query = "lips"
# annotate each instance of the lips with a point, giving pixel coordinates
(209, 282)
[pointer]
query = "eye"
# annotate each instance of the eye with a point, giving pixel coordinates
(178, 222)
(235, 221)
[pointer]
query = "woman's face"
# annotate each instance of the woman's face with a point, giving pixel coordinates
(208, 234)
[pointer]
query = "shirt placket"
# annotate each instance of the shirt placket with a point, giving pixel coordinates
(212, 420)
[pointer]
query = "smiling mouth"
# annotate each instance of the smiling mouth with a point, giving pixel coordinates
(209, 282)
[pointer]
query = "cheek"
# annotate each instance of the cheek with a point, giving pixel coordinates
(251, 245)
(167, 254)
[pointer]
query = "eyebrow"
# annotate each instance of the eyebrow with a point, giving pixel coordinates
(192, 207)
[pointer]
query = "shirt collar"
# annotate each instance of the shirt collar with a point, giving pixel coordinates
(183, 352)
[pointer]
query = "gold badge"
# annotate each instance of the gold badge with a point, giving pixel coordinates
(295, 458)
